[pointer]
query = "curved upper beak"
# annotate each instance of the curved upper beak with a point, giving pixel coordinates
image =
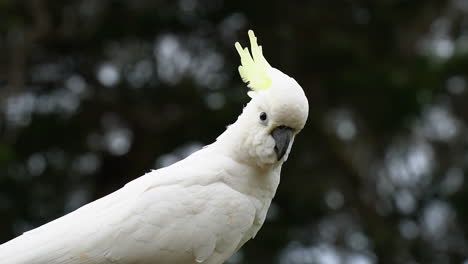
(282, 136)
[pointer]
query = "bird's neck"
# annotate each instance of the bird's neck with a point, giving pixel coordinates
(246, 172)
(259, 183)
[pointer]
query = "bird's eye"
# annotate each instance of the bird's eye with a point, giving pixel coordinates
(263, 116)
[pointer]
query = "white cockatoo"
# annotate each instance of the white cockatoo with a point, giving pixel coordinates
(199, 210)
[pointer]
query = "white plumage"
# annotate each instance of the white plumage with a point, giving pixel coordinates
(199, 210)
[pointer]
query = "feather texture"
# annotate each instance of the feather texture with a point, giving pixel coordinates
(198, 210)
(253, 69)
(185, 213)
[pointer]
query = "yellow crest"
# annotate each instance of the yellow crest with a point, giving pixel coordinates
(253, 69)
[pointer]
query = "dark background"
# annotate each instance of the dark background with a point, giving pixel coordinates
(95, 93)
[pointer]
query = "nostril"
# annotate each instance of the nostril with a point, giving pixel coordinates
(282, 127)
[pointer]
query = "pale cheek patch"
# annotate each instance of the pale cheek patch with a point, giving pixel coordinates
(263, 149)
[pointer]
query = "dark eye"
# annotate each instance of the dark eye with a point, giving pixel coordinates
(263, 116)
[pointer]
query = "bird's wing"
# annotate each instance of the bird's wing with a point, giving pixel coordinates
(51, 242)
(173, 215)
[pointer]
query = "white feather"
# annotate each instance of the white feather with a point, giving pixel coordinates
(188, 212)
(199, 210)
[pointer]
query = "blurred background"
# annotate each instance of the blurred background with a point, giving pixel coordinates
(95, 93)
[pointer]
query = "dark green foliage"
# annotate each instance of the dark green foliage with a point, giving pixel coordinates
(96, 93)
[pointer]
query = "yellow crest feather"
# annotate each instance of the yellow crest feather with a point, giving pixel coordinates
(253, 69)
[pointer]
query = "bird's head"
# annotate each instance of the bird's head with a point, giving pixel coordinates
(276, 113)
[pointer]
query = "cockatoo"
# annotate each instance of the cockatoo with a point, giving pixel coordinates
(201, 209)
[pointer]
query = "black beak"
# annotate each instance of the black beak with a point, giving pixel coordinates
(282, 136)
